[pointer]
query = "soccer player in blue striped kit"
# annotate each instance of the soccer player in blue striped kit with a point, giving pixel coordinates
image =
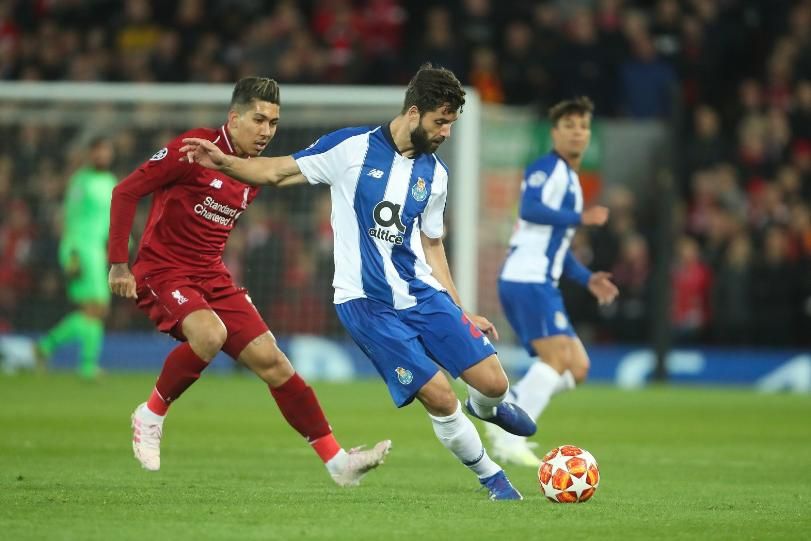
(551, 208)
(393, 289)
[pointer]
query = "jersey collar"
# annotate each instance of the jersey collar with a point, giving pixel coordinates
(386, 129)
(223, 141)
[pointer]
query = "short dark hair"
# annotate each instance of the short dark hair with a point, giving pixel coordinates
(431, 88)
(580, 106)
(249, 89)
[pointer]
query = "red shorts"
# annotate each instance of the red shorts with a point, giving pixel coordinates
(167, 298)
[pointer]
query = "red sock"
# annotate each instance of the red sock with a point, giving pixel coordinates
(300, 407)
(181, 368)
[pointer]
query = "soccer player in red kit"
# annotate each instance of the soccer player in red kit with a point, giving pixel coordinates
(180, 281)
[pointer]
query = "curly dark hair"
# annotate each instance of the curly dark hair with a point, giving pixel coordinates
(580, 106)
(248, 89)
(431, 88)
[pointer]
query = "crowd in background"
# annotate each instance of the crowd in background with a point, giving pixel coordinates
(742, 255)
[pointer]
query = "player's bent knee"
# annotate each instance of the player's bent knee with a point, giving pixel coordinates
(580, 373)
(274, 367)
(438, 399)
(497, 386)
(209, 342)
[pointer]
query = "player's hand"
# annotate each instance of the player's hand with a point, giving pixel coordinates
(485, 325)
(121, 281)
(603, 288)
(596, 215)
(203, 152)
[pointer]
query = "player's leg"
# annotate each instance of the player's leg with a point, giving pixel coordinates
(578, 369)
(93, 295)
(536, 313)
(296, 400)
(179, 308)
(397, 352)
(463, 350)
(91, 339)
(458, 434)
(87, 287)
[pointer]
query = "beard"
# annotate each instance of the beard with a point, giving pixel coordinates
(422, 144)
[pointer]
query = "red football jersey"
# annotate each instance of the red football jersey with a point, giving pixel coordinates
(193, 210)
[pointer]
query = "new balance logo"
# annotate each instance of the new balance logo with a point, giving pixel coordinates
(375, 173)
(216, 183)
(178, 296)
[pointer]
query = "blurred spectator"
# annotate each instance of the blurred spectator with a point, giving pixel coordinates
(732, 306)
(583, 67)
(439, 44)
(707, 146)
(647, 83)
(775, 286)
(523, 76)
(691, 288)
(484, 75)
(631, 274)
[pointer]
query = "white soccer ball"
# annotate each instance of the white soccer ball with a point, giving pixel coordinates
(568, 474)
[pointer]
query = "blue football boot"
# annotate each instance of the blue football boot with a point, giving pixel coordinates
(509, 417)
(500, 488)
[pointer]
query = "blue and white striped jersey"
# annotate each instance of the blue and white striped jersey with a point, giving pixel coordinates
(381, 200)
(551, 203)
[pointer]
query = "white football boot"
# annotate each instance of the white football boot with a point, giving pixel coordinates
(506, 447)
(146, 439)
(360, 462)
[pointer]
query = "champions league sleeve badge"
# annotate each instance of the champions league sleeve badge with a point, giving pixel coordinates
(159, 155)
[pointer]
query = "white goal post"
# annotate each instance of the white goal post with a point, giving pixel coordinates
(302, 105)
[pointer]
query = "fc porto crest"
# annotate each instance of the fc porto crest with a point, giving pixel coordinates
(419, 191)
(404, 376)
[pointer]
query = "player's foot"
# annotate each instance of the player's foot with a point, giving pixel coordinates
(509, 417)
(146, 439)
(500, 487)
(360, 462)
(505, 447)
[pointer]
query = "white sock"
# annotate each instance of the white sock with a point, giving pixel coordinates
(536, 388)
(566, 383)
(337, 464)
(150, 416)
(459, 436)
(484, 406)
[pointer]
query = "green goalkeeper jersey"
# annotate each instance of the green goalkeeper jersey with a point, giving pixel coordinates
(87, 209)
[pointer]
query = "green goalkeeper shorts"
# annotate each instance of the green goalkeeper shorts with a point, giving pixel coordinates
(86, 268)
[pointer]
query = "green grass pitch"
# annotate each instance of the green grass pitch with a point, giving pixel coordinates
(676, 463)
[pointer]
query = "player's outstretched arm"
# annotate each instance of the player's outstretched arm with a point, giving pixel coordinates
(435, 257)
(258, 171)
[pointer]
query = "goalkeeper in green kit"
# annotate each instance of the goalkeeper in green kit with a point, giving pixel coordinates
(83, 257)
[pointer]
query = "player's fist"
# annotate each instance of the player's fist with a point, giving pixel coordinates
(203, 152)
(121, 281)
(596, 215)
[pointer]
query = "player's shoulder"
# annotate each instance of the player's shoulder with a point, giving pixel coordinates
(199, 133)
(442, 164)
(545, 163)
(332, 139)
